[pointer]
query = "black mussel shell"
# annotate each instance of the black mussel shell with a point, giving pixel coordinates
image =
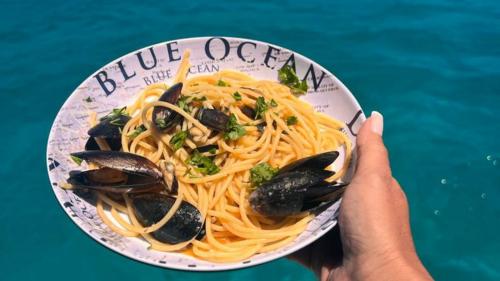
(165, 119)
(107, 128)
(186, 223)
(114, 143)
(207, 148)
(248, 111)
(315, 162)
(213, 118)
(283, 195)
(202, 233)
(122, 161)
(114, 181)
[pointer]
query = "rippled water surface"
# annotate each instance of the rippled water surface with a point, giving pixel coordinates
(431, 67)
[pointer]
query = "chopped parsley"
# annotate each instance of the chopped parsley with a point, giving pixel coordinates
(183, 103)
(212, 150)
(233, 130)
(291, 120)
(202, 164)
(115, 116)
(161, 123)
(178, 140)
(77, 160)
(237, 96)
(260, 107)
(287, 77)
(137, 132)
(200, 99)
(262, 173)
(222, 83)
(117, 122)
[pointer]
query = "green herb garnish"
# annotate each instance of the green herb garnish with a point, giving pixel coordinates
(137, 132)
(222, 83)
(115, 113)
(178, 140)
(233, 130)
(212, 150)
(202, 164)
(287, 76)
(260, 107)
(161, 123)
(200, 99)
(77, 160)
(237, 96)
(261, 173)
(114, 117)
(117, 122)
(183, 103)
(291, 120)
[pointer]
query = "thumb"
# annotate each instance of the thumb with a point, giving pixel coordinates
(372, 154)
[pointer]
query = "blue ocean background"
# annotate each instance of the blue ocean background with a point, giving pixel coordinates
(431, 67)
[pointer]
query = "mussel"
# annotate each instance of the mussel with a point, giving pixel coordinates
(109, 129)
(164, 118)
(118, 172)
(297, 187)
(207, 148)
(213, 118)
(248, 111)
(184, 225)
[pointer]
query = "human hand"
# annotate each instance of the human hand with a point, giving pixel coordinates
(373, 239)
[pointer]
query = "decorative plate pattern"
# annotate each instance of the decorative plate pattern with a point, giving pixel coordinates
(116, 85)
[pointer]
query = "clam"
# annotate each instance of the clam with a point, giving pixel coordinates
(298, 187)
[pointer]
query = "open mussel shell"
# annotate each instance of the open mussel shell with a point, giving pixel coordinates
(318, 162)
(164, 119)
(297, 187)
(123, 161)
(213, 118)
(114, 181)
(284, 195)
(118, 172)
(321, 194)
(106, 129)
(114, 144)
(109, 132)
(184, 225)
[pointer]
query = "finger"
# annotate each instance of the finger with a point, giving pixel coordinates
(372, 154)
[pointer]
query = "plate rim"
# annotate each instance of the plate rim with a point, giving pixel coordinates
(220, 266)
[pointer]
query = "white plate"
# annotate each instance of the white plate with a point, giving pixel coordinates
(116, 85)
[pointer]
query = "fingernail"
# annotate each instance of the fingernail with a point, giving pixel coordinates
(377, 123)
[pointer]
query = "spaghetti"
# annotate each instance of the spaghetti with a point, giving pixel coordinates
(288, 129)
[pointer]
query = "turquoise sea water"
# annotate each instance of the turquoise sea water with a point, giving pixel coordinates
(432, 68)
